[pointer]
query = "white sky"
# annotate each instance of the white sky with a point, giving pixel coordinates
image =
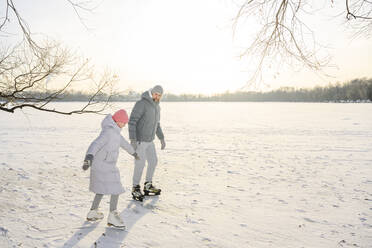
(186, 46)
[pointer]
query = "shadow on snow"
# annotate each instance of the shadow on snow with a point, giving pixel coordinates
(113, 237)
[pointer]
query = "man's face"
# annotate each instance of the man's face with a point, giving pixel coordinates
(156, 97)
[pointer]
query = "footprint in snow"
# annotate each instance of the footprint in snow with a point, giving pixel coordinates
(3, 231)
(310, 220)
(282, 201)
(362, 219)
(207, 240)
(232, 172)
(300, 210)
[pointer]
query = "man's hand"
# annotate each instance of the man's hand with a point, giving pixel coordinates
(134, 144)
(88, 161)
(135, 155)
(162, 144)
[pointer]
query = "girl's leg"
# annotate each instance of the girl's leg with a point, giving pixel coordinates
(114, 202)
(114, 218)
(96, 201)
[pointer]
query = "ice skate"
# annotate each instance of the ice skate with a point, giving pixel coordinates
(136, 193)
(114, 220)
(94, 215)
(149, 189)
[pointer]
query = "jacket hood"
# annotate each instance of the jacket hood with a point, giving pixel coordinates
(108, 122)
(146, 95)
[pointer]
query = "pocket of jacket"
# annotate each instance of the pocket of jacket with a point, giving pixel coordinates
(112, 156)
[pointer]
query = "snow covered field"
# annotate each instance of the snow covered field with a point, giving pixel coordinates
(232, 175)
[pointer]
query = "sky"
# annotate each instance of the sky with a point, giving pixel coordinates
(187, 46)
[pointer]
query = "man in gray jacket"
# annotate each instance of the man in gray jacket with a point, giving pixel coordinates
(144, 123)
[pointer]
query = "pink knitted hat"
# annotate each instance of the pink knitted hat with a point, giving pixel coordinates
(120, 116)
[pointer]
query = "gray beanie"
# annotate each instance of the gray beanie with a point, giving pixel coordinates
(157, 89)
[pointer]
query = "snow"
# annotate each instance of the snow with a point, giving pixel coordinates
(232, 175)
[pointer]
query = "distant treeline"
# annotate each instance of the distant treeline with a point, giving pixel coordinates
(353, 91)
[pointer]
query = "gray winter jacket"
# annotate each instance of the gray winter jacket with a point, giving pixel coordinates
(144, 121)
(104, 174)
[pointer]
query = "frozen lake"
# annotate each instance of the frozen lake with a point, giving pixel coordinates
(232, 175)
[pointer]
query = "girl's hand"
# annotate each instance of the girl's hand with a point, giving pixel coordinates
(88, 161)
(135, 155)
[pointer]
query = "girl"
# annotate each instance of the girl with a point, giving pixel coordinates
(102, 156)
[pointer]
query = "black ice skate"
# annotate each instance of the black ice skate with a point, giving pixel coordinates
(149, 189)
(136, 193)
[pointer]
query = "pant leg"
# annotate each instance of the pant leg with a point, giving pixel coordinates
(139, 164)
(152, 161)
(96, 201)
(114, 202)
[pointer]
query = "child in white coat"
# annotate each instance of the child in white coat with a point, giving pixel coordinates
(102, 156)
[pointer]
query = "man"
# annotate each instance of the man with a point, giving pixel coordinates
(143, 125)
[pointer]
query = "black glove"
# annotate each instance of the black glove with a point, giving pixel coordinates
(88, 161)
(134, 144)
(162, 141)
(135, 155)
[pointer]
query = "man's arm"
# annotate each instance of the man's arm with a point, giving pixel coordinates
(159, 132)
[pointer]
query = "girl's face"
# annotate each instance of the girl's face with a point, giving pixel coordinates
(120, 124)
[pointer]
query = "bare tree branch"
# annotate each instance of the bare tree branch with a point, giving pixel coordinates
(26, 68)
(23, 84)
(284, 38)
(82, 6)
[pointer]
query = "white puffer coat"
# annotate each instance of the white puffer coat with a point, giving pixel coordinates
(104, 174)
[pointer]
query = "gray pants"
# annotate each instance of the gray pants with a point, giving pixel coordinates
(113, 202)
(146, 151)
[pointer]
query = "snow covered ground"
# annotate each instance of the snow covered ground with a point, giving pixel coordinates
(233, 175)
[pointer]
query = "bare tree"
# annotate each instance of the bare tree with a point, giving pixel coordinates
(284, 35)
(359, 16)
(27, 68)
(24, 79)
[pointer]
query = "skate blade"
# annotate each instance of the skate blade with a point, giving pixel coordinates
(151, 194)
(138, 198)
(116, 227)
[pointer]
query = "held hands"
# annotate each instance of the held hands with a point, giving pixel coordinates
(88, 161)
(162, 141)
(135, 155)
(134, 145)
